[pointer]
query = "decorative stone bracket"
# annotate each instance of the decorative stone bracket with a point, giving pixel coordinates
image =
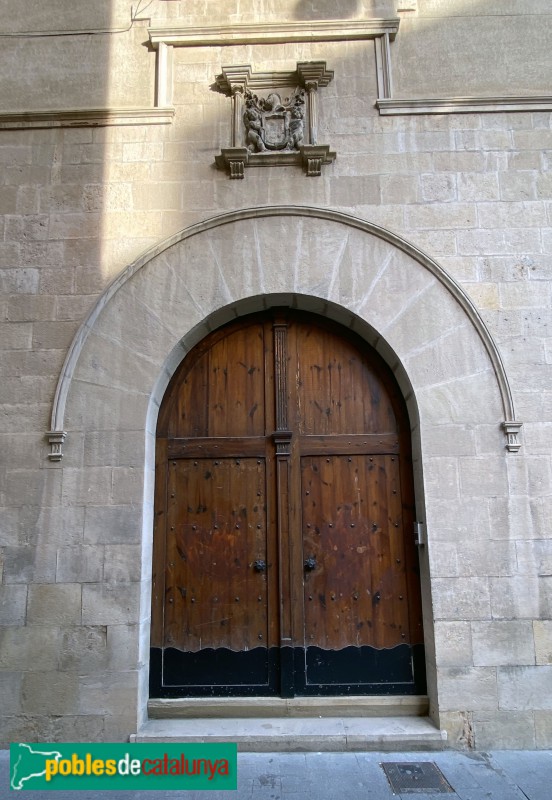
(512, 429)
(56, 440)
(274, 118)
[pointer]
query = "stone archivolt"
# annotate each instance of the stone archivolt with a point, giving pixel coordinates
(310, 221)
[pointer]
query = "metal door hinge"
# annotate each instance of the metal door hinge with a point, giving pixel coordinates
(419, 534)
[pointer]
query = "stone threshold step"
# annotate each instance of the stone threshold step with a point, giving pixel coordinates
(306, 734)
(351, 706)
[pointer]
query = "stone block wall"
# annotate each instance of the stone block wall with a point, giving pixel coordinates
(471, 190)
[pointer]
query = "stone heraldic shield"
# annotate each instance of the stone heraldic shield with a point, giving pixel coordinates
(276, 129)
(273, 125)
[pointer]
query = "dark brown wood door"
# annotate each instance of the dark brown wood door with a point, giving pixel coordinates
(284, 560)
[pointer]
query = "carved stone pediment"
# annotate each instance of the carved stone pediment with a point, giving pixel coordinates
(274, 118)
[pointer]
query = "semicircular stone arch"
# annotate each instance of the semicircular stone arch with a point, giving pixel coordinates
(360, 275)
(351, 270)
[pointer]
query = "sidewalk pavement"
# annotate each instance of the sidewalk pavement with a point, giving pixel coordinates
(496, 775)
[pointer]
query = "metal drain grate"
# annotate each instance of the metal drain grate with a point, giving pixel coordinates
(423, 777)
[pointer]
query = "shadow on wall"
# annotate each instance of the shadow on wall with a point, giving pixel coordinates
(328, 9)
(344, 9)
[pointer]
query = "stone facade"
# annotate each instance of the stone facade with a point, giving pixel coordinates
(122, 245)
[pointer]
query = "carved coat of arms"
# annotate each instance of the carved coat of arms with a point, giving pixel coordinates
(271, 124)
(279, 127)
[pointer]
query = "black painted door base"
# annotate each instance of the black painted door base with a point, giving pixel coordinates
(316, 672)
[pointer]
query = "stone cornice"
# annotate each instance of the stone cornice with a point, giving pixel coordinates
(275, 33)
(243, 76)
(85, 118)
(463, 105)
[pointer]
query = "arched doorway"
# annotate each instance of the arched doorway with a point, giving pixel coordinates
(347, 269)
(284, 560)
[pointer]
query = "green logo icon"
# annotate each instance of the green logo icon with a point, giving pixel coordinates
(123, 766)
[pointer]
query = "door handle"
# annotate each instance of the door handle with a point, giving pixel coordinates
(259, 565)
(310, 563)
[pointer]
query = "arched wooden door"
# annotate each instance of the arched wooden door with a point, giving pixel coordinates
(284, 559)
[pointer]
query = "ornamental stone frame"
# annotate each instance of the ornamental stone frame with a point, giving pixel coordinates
(399, 300)
(274, 130)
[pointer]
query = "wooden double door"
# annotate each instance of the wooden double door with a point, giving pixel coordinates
(284, 559)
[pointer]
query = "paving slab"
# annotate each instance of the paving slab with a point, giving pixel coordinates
(526, 771)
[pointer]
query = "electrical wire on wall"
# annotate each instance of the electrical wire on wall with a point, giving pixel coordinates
(92, 32)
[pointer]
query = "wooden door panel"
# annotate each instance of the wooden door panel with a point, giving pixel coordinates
(352, 527)
(356, 600)
(236, 396)
(223, 392)
(337, 392)
(215, 598)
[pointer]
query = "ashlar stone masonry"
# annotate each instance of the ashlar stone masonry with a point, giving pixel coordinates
(122, 246)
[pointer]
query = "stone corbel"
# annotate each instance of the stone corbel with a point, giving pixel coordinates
(314, 156)
(512, 429)
(56, 439)
(234, 159)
